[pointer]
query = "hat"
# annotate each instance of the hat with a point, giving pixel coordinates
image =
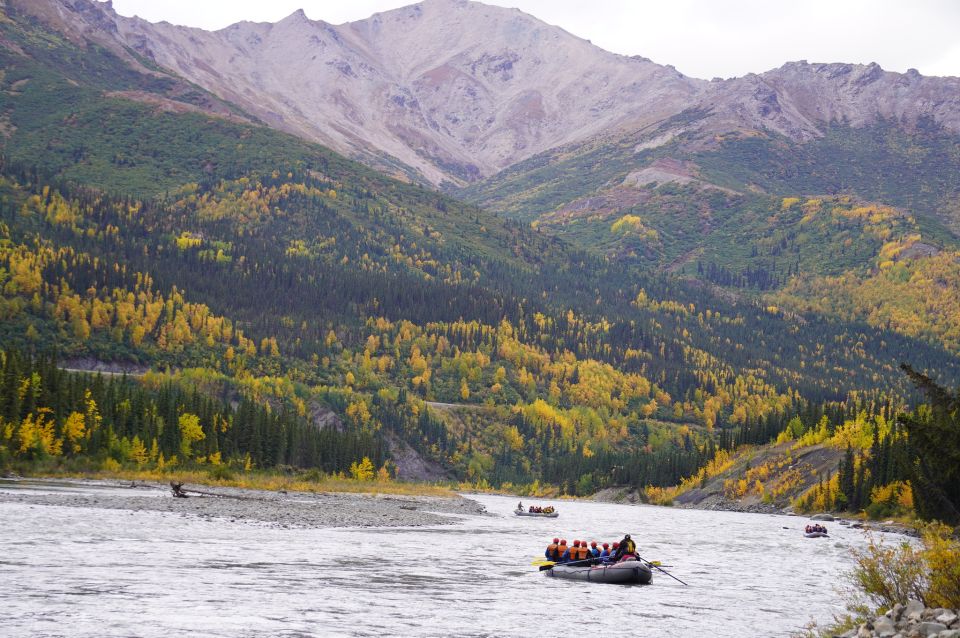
(556, 540)
(563, 542)
(606, 546)
(593, 544)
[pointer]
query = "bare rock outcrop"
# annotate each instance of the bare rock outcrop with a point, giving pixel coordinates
(458, 90)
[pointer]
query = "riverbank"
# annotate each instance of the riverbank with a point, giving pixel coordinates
(283, 509)
(912, 619)
(717, 503)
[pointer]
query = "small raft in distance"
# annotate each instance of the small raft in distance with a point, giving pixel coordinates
(630, 572)
(815, 534)
(552, 514)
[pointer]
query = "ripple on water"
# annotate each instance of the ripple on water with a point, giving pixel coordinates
(232, 579)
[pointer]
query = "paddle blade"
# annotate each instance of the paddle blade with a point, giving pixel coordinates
(542, 562)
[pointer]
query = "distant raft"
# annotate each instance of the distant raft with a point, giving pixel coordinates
(815, 534)
(552, 514)
(630, 572)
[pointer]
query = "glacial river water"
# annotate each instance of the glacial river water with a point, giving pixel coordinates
(93, 572)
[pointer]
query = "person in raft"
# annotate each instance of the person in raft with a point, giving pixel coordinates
(605, 554)
(593, 549)
(520, 506)
(584, 553)
(551, 553)
(626, 548)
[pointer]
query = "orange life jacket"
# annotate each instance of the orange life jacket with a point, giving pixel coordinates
(552, 550)
(561, 549)
(581, 552)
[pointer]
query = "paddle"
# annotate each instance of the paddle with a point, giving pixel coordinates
(549, 563)
(654, 565)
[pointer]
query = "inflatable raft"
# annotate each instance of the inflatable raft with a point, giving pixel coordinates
(630, 572)
(815, 534)
(552, 514)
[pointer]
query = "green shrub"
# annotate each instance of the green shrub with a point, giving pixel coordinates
(877, 511)
(889, 575)
(220, 473)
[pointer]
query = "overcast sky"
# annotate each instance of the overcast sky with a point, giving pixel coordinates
(701, 38)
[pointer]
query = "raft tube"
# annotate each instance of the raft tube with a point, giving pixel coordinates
(553, 514)
(631, 572)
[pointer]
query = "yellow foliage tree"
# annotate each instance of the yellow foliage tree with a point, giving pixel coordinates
(190, 432)
(362, 471)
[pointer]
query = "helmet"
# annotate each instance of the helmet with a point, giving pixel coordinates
(606, 546)
(593, 544)
(563, 542)
(627, 537)
(556, 540)
(616, 545)
(576, 543)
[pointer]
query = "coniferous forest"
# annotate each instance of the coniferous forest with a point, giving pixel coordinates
(277, 305)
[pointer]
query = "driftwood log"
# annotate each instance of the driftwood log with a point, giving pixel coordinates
(177, 489)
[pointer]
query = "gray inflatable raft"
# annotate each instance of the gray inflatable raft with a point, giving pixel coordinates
(629, 572)
(553, 514)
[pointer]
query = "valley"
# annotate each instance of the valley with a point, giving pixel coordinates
(514, 259)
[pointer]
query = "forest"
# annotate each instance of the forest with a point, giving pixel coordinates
(296, 309)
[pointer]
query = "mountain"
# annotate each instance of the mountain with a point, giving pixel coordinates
(147, 220)
(453, 91)
(624, 157)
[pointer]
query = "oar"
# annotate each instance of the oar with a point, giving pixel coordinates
(654, 565)
(549, 563)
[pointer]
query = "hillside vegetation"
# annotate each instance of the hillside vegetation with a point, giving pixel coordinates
(298, 309)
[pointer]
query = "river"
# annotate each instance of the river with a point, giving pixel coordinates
(93, 572)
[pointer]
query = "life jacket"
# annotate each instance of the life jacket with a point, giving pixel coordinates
(552, 551)
(628, 547)
(561, 550)
(583, 553)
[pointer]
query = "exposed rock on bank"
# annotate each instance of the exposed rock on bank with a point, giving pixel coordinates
(276, 509)
(912, 620)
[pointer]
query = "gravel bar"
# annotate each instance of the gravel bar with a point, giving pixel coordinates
(275, 509)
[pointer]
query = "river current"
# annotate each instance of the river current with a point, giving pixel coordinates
(68, 571)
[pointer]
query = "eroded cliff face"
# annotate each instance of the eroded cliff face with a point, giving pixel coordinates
(456, 90)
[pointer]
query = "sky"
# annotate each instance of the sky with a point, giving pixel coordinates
(701, 38)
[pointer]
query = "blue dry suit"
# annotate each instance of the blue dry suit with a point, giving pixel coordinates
(604, 555)
(595, 552)
(566, 556)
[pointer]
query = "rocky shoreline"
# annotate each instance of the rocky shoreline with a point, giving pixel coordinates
(716, 502)
(274, 509)
(912, 620)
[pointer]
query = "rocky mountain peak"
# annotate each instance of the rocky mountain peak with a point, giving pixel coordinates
(455, 90)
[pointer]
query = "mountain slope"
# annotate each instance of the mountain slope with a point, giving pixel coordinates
(246, 260)
(452, 91)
